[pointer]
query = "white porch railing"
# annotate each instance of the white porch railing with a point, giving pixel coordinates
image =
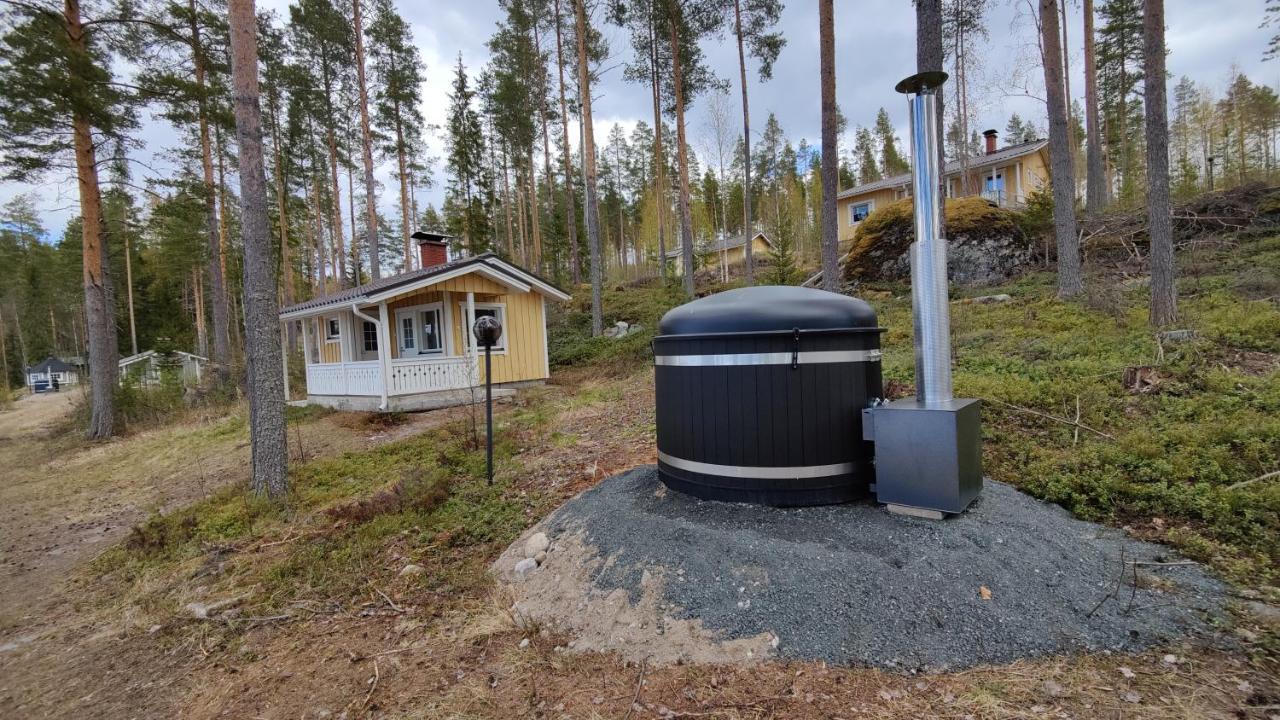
(420, 375)
(408, 376)
(353, 378)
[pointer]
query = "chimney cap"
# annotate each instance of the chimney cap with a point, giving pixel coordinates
(431, 236)
(990, 133)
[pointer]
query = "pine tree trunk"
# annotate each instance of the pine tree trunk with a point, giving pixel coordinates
(197, 300)
(366, 145)
(217, 263)
(99, 299)
(269, 449)
(830, 231)
(282, 208)
(534, 219)
(659, 156)
(406, 224)
(335, 207)
(1061, 165)
(682, 155)
(4, 357)
(506, 206)
(354, 252)
(1097, 192)
(750, 261)
(570, 213)
(128, 282)
(1164, 290)
(929, 58)
(589, 167)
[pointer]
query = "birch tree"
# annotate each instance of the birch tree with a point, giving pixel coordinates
(589, 169)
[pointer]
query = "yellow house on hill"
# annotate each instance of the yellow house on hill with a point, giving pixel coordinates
(404, 342)
(734, 249)
(1006, 176)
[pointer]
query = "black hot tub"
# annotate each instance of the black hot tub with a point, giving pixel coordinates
(760, 394)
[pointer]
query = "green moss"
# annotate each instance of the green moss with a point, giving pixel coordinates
(887, 233)
(1174, 453)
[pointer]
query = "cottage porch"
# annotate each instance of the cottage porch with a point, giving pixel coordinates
(409, 347)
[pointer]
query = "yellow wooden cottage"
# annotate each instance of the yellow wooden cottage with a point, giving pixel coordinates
(404, 342)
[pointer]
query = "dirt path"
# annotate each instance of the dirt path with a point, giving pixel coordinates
(63, 500)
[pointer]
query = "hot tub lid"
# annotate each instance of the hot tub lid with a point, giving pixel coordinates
(768, 308)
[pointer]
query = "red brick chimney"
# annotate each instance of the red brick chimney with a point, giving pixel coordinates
(433, 248)
(990, 135)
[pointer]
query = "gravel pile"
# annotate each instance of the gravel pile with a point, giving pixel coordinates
(851, 584)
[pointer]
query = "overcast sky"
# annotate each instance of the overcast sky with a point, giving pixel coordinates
(875, 47)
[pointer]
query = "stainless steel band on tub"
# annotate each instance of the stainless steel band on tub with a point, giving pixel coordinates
(811, 357)
(769, 473)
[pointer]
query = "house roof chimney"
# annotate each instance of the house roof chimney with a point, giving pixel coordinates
(990, 135)
(433, 248)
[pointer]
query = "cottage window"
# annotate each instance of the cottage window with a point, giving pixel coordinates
(488, 310)
(421, 330)
(370, 333)
(331, 330)
(408, 342)
(859, 212)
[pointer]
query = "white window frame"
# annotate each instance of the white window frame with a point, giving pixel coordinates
(415, 313)
(871, 206)
(502, 318)
(329, 324)
(364, 338)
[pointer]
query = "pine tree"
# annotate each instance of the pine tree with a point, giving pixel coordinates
(830, 232)
(753, 21)
(269, 452)
(466, 163)
(1098, 190)
(891, 161)
(1062, 170)
(325, 48)
(1119, 60)
(1164, 289)
(397, 72)
(864, 151)
(962, 24)
(592, 208)
(59, 92)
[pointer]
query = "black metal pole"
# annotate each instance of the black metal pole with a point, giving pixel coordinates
(488, 407)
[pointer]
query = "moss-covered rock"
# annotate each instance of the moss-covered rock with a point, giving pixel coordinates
(984, 243)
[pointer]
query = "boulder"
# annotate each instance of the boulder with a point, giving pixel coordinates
(525, 568)
(537, 542)
(985, 246)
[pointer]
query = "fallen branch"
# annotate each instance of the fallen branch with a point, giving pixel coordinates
(1153, 563)
(1244, 483)
(1055, 418)
(394, 606)
(635, 700)
(372, 687)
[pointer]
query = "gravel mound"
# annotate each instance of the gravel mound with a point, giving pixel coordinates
(652, 573)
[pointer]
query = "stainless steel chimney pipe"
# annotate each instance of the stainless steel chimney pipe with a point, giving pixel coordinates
(929, 304)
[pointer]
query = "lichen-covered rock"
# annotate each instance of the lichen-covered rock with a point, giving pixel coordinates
(984, 243)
